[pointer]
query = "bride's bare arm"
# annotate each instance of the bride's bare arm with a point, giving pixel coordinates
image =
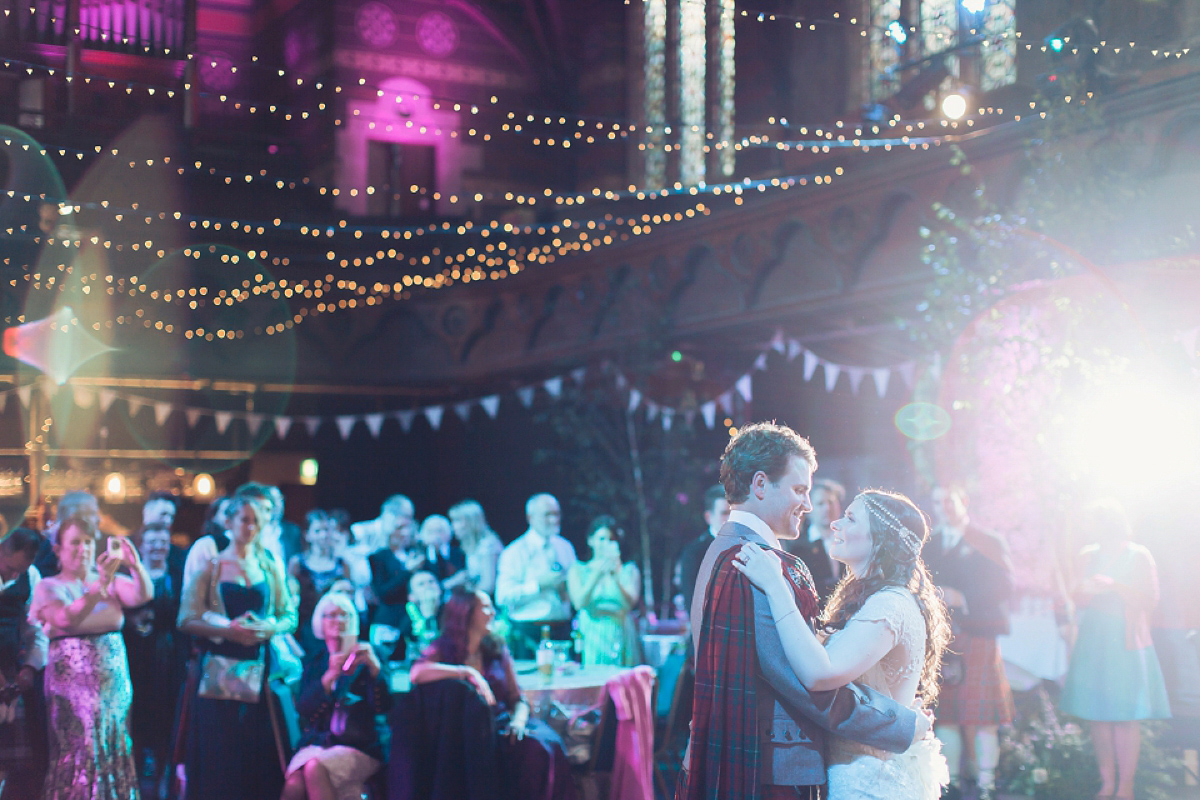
(858, 648)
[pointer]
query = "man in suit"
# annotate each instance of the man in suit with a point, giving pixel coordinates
(716, 511)
(828, 499)
(757, 733)
(972, 568)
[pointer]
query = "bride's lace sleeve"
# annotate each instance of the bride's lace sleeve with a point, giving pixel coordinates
(897, 609)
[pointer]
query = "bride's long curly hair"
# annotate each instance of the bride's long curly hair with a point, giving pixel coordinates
(896, 562)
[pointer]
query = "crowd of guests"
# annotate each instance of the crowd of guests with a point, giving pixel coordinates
(127, 661)
(132, 666)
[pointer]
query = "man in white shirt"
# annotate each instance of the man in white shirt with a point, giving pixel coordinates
(373, 534)
(531, 579)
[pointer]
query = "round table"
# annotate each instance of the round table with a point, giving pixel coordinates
(568, 690)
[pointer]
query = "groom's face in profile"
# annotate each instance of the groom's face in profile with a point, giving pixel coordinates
(783, 503)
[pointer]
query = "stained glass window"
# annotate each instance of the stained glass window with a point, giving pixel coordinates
(654, 27)
(692, 65)
(725, 84)
(884, 53)
(999, 51)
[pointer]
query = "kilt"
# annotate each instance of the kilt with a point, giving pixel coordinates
(983, 696)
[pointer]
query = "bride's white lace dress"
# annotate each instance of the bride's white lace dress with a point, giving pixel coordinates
(858, 772)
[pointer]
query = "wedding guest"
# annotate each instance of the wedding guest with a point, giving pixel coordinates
(160, 508)
(396, 513)
(716, 511)
(341, 699)
(22, 659)
(276, 536)
(531, 580)
(479, 542)
(391, 569)
(972, 569)
(87, 686)
(828, 496)
(443, 557)
(357, 566)
(605, 591)
(531, 753)
(315, 570)
(1114, 679)
(157, 654)
(423, 607)
(72, 504)
(236, 603)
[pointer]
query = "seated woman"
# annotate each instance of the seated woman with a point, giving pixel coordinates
(88, 693)
(423, 607)
(341, 700)
(531, 754)
(605, 591)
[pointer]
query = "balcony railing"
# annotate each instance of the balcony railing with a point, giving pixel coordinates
(144, 27)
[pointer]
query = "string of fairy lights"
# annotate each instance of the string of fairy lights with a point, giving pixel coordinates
(473, 260)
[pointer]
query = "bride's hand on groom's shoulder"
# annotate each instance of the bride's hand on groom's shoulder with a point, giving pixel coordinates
(762, 567)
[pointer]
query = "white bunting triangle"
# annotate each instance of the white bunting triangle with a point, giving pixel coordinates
(345, 424)
(743, 387)
(491, 404)
(254, 422)
(832, 371)
(135, 405)
(760, 363)
(907, 370)
(881, 381)
(553, 387)
(106, 397)
(793, 349)
(709, 412)
(84, 397)
(312, 425)
(223, 418)
(463, 410)
(161, 412)
(434, 415)
(525, 395)
(405, 419)
(282, 426)
(24, 393)
(374, 424)
(810, 364)
(578, 374)
(193, 416)
(651, 411)
(856, 375)
(621, 382)
(635, 399)
(726, 402)
(668, 418)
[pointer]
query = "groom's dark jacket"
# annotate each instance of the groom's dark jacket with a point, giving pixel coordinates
(791, 720)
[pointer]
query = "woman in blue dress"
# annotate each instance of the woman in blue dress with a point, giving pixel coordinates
(235, 604)
(1114, 680)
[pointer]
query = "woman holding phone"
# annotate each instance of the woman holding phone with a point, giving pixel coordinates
(88, 692)
(605, 591)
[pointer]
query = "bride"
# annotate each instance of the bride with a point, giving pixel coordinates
(885, 627)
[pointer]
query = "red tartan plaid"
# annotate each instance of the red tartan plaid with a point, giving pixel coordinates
(725, 739)
(983, 697)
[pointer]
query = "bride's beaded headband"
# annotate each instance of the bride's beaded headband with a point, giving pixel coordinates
(911, 540)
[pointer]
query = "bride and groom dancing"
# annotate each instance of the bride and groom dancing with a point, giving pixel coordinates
(777, 712)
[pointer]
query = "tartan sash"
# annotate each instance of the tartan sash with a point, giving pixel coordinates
(725, 738)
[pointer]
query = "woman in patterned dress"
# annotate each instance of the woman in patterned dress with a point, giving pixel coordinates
(88, 693)
(887, 629)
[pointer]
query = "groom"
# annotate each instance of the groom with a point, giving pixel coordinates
(757, 733)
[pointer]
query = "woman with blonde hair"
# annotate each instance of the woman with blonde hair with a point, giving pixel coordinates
(884, 627)
(236, 604)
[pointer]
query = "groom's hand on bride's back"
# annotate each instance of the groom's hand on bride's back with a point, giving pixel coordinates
(924, 724)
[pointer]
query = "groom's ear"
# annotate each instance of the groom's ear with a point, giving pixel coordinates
(758, 484)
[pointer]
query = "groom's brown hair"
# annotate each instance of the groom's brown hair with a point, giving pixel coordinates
(761, 447)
